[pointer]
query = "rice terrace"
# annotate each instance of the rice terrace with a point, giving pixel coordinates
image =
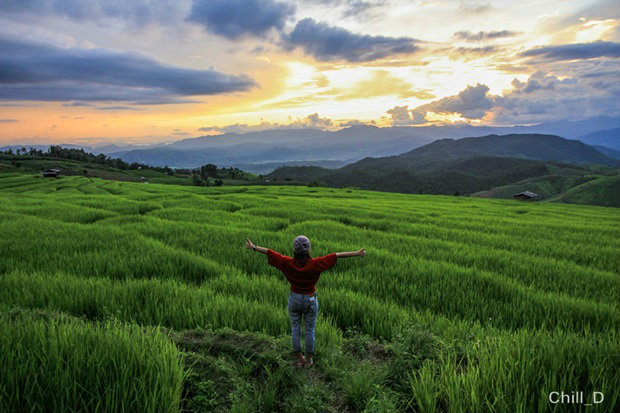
(120, 296)
(310, 206)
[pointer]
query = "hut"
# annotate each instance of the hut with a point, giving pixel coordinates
(526, 196)
(50, 173)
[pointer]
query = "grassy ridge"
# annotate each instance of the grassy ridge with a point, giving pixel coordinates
(488, 304)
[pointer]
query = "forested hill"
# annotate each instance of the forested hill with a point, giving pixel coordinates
(468, 165)
(529, 146)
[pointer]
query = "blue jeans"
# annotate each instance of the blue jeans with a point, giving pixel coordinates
(306, 306)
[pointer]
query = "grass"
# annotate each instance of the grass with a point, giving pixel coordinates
(62, 364)
(462, 304)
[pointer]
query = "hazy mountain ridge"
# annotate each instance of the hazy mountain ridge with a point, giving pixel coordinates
(252, 151)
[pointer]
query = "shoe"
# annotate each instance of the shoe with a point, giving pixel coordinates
(301, 361)
(309, 362)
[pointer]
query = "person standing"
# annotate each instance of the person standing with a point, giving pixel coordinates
(302, 272)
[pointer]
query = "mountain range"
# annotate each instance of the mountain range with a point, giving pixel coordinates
(463, 166)
(262, 152)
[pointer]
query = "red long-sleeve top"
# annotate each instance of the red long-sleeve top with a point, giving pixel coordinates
(302, 279)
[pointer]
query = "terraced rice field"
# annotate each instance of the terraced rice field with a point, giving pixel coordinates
(471, 304)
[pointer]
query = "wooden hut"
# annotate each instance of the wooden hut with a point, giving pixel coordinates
(526, 196)
(50, 173)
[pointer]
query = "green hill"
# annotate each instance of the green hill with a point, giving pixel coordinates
(122, 296)
(498, 166)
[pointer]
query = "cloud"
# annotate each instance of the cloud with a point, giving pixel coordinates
(482, 36)
(474, 51)
(313, 121)
(402, 116)
(329, 43)
(135, 12)
(381, 83)
(36, 71)
(543, 97)
(575, 51)
(471, 103)
(76, 104)
(235, 18)
(474, 8)
(117, 108)
(8, 120)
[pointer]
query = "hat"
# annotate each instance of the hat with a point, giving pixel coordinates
(301, 244)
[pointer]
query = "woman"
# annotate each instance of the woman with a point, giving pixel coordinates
(302, 272)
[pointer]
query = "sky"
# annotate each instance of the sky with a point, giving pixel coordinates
(96, 72)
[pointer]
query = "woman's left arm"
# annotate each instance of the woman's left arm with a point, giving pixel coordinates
(249, 245)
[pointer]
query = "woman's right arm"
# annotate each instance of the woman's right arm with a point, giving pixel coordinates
(249, 245)
(359, 253)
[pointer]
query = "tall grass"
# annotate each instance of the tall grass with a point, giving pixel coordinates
(60, 364)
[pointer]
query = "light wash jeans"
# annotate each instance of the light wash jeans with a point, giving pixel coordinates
(306, 306)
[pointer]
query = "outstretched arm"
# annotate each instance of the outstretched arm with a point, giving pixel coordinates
(359, 253)
(249, 245)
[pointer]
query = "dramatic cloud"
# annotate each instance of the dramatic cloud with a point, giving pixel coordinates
(481, 36)
(235, 18)
(136, 12)
(8, 120)
(34, 71)
(313, 121)
(576, 51)
(471, 103)
(543, 97)
(330, 43)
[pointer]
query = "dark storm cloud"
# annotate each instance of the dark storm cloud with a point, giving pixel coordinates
(136, 12)
(330, 43)
(35, 71)
(480, 36)
(576, 51)
(235, 18)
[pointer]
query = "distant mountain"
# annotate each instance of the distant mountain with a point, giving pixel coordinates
(609, 138)
(465, 165)
(612, 153)
(530, 146)
(279, 147)
(312, 146)
(283, 146)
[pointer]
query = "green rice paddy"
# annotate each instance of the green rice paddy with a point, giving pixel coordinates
(475, 304)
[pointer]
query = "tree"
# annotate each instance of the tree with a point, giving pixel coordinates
(218, 182)
(208, 170)
(197, 180)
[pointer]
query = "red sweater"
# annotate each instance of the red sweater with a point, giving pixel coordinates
(302, 279)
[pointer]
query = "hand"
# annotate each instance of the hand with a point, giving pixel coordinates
(248, 244)
(362, 252)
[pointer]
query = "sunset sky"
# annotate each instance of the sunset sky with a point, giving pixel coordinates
(144, 71)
